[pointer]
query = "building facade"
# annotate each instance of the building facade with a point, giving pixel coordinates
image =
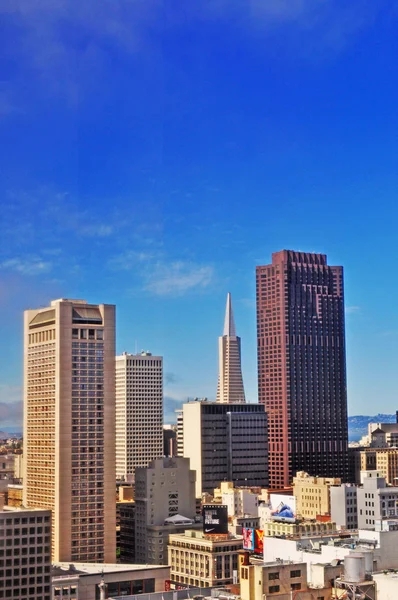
(127, 532)
(166, 488)
(301, 365)
(313, 495)
(343, 505)
(25, 554)
(380, 460)
(80, 581)
(225, 442)
(69, 425)
(376, 501)
(203, 560)
(230, 381)
(273, 579)
(139, 412)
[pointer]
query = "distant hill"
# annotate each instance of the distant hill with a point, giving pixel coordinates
(358, 425)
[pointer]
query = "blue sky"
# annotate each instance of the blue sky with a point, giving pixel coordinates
(153, 153)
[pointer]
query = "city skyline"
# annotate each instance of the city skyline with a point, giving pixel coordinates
(154, 163)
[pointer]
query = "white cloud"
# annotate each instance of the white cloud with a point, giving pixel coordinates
(26, 266)
(178, 278)
(349, 310)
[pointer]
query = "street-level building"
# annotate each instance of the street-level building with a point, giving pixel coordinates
(80, 581)
(203, 560)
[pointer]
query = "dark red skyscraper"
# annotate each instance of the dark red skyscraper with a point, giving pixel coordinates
(301, 365)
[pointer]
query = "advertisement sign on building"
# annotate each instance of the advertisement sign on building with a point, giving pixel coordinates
(283, 508)
(215, 519)
(248, 538)
(258, 541)
(253, 539)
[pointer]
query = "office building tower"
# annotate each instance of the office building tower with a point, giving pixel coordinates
(225, 442)
(69, 425)
(230, 382)
(301, 365)
(139, 412)
(164, 503)
(25, 556)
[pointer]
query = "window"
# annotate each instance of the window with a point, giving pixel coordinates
(296, 573)
(273, 576)
(296, 586)
(273, 589)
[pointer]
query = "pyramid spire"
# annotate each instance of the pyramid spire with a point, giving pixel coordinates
(230, 383)
(229, 323)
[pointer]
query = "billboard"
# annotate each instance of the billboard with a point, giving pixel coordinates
(258, 541)
(248, 538)
(283, 508)
(253, 539)
(215, 519)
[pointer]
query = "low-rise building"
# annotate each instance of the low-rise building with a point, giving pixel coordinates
(281, 580)
(237, 524)
(313, 494)
(203, 560)
(386, 585)
(343, 505)
(80, 581)
(15, 492)
(382, 460)
(240, 501)
(376, 501)
(25, 554)
(299, 528)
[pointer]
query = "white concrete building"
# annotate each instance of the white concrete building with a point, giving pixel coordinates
(343, 505)
(139, 412)
(240, 502)
(376, 501)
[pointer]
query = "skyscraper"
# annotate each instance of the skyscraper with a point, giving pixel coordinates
(301, 365)
(69, 426)
(139, 411)
(230, 382)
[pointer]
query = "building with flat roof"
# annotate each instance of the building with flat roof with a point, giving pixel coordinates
(313, 494)
(343, 505)
(274, 579)
(376, 501)
(302, 365)
(382, 460)
(80, 581)
(203, 560)
(69, 425)
(139, 412)
(225, 442)
(25, 554)
(164, 490)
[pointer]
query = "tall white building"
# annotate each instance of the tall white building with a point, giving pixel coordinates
(230, 382)
(69, 426)
(139, 412)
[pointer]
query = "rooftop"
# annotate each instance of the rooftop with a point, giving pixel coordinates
(64, 568)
